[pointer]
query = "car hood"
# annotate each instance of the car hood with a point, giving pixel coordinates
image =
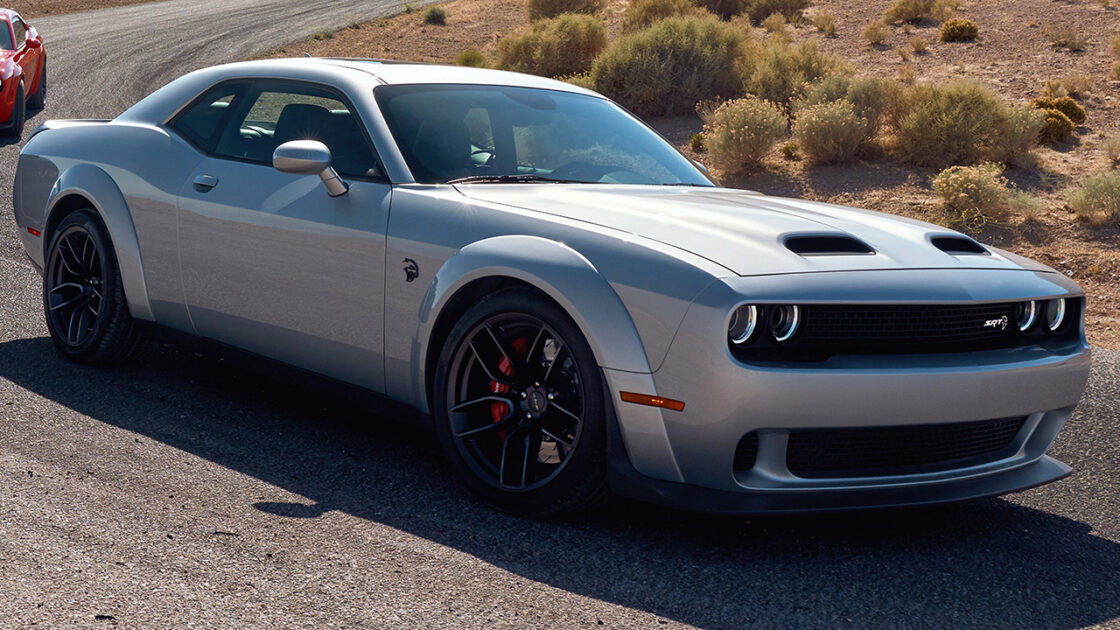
(749, 233)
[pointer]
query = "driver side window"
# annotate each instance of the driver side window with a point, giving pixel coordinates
(20, 29)
(274, 113)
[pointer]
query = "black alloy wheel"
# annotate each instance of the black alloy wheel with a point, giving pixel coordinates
(520, 406)
(83, 296)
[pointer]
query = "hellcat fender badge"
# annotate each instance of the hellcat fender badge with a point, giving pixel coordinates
(411, 269)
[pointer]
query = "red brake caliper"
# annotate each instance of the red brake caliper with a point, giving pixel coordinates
(499, 410)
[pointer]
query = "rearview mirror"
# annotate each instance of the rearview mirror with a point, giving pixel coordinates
(309, 157)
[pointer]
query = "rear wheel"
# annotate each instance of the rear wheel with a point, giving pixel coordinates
(83, 296)
(38, 100)
(14, 124)
(519, 406)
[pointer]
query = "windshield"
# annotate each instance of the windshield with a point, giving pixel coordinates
(453, 132)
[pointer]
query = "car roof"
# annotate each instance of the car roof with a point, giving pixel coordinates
(390, 72)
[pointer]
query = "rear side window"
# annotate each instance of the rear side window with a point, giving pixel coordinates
(21, 31)
(202, 122)
(5, 37)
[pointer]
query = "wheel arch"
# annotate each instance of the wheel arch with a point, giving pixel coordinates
(87, 186)
(553, 269)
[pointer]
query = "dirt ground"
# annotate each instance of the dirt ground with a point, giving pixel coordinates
(1012, 56)
(31, 9)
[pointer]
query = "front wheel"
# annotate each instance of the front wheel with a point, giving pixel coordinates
(83, 296)
(519, 407)
(14, 125)
(38, 100)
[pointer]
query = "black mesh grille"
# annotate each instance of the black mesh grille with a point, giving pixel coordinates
(879, 451)
(871, 325)
(747, 452)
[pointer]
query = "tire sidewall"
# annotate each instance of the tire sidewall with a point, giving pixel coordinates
(110, 289)
(587, 463)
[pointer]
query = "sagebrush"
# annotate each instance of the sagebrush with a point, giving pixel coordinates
(958, 30)
(544, 9)
(1098, 198)
(973, 196)
(830, 132)
(778, 71)
(739, 133)
(643, 13)
(668, 68)
(554, 47)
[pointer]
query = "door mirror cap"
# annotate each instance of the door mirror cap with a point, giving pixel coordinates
(701, 167)
(308, 157)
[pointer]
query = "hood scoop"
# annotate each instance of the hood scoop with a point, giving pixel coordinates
(959, 246)
(826, 245)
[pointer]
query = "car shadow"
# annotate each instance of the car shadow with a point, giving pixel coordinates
(987, 563)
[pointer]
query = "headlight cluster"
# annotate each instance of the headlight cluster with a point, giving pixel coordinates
(749, 322)
(1053, 314)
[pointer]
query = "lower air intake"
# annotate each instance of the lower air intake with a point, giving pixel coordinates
(899, 450)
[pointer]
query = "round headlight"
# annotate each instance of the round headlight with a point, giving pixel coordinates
(1055, 314)
(744, 321)
(785, 321)
(1026, 314)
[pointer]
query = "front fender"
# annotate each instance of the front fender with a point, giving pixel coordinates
(99, 189)
(576, 285)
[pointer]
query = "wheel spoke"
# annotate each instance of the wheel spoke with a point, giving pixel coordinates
(556, 438)
(70, 258)
(500, 379)
(564, 411)
(517, 364)
(559, 350)
(69, 286)
(525, 461)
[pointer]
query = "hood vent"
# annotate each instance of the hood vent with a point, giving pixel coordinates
(826, 245)
(959, 246)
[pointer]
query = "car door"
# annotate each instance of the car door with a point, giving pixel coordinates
(270, 262)
(28, 57)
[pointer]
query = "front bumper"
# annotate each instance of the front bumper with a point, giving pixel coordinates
(687, 459)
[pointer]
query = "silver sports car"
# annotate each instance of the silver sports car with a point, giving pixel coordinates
(572, 302)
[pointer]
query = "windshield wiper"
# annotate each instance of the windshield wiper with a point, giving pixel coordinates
(513, 179)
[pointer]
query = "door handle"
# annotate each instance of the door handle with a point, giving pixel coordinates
(205, 183)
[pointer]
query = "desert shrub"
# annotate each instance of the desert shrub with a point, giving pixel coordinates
(1024, 205)
(1098, 199)
(918, 45)
(436, 16)
(472, 58)
(973, 195)
(1057, 128)
(1077, 85)
(643, 13)
(1065, 38)
(915, 10)
(830, 132)
(869, 97)
(825, 23)
(1017, 134)
(907, 74)
(1065, 104)
(790, 151)
(943, 125)
(697, 142)
(758, 10)
(544, 9)
(1052, 88)
(669, 67)
(554, 47)
(582, 80)
(958, 30)
(776, 25)
(739, 133)
(875, 33)
(778, 71)
(1111, 147)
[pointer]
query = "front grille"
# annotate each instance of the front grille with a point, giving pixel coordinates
(899, 450)
(930, 325)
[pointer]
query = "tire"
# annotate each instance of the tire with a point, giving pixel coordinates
(38, 100)
(14, 125)
(516, 381)
(83, 297)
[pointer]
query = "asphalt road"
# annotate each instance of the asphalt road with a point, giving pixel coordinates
(189, 492)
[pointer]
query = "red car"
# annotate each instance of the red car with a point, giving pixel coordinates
(23, 72)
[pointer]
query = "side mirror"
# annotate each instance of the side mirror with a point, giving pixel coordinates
(701, 167)
(309, 157)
